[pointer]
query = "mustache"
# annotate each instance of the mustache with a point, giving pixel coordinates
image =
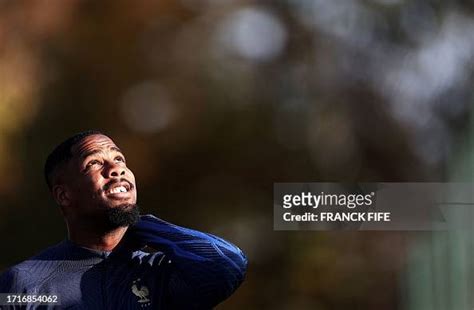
(115, 181)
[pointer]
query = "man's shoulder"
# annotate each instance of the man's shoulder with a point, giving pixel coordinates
(52, 252)
(21, 273)
(13, 277)
(26, 265)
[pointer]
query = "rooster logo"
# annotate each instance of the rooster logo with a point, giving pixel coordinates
(141, 291)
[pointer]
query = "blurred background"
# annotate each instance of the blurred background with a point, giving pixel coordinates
(214, 101)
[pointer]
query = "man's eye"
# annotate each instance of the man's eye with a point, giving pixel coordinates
(120, 158)
(92, 162)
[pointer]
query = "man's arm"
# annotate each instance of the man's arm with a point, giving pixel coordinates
(205, 269)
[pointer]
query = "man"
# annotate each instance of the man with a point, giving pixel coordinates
(101, 265)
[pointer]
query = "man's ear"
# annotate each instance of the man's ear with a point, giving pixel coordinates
(61, 195)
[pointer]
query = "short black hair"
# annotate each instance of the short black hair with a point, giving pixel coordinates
(62, 153)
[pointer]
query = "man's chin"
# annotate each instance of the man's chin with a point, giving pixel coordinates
(122, 215)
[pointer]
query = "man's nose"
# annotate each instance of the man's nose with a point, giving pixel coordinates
(114, 170)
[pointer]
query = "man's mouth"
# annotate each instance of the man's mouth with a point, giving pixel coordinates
(118, 188)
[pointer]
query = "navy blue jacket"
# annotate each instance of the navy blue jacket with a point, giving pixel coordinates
(189, 270)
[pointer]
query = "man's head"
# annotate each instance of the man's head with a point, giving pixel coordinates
(88, 177)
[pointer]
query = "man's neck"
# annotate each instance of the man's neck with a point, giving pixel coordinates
(99, 241)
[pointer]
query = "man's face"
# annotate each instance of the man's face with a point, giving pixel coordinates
(99, 179)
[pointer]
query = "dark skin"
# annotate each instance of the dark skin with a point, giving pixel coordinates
(95, 179)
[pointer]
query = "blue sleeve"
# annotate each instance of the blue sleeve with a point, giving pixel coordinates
(204, 269)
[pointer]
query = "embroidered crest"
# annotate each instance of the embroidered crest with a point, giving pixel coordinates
(142, 292)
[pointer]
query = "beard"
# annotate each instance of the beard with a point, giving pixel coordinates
(122, 215)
